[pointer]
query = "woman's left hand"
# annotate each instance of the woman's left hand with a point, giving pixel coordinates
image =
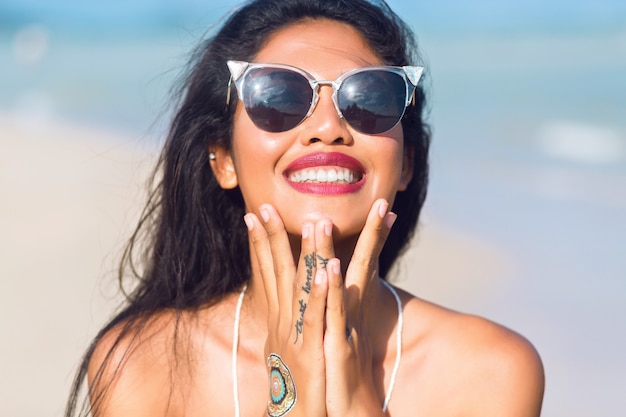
(349, 381)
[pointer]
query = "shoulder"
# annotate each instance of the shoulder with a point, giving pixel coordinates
(129, 368)
(491, 369)
(149, 366)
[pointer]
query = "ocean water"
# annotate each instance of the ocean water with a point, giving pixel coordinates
(528, 109)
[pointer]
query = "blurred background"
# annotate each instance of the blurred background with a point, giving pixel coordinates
(525, 222)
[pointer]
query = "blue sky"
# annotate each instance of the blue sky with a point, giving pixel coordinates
(432, 16)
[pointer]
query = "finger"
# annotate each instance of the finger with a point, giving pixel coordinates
(335, 307)
(262, 256)
(363, 265)
(317, 248)
(281, 255)
(303, 283)
(314, 316)
(324, 248)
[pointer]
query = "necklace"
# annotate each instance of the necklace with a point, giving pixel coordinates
(394, 372)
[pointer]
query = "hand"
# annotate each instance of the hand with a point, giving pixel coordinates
(290, 292)
(347, 351)
(331, 372)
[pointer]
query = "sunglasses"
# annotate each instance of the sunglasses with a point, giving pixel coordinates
(279, 97)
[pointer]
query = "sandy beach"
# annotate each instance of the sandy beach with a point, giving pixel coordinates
(70, 196)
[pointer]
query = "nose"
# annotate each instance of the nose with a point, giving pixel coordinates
(324, 124)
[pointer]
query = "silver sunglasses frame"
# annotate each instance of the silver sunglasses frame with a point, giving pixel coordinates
(238, 69)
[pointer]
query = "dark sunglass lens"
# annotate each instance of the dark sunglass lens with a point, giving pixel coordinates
(373, 102)
(276, 99)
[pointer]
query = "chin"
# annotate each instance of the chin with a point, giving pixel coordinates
(345, 224)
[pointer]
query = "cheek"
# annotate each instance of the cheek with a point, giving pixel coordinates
(388, 157)
(255, 154)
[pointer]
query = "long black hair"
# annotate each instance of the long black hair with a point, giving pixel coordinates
(190, 247)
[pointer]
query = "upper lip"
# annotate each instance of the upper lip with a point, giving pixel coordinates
(320, 159)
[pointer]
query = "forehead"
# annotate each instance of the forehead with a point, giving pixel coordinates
(322, 47)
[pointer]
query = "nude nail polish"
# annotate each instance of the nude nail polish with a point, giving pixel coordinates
(382, 209)
(248, 221)
(319, 276)
(328, 229)
(265, 214)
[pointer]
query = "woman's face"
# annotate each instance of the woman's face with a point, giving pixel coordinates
(268, 165)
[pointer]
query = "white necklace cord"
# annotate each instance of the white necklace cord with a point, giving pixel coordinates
(235, 346)
(396, 365)
(394, 372)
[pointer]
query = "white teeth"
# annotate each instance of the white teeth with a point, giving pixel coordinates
(322, 175)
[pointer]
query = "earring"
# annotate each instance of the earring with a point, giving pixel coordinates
(212, 156)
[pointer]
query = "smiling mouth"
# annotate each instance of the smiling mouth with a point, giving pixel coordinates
(325, 175)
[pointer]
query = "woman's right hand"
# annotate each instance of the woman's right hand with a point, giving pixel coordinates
(296, 337)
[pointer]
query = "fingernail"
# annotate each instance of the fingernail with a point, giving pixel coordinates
(248, 220)
(265, 214)
(328, 229)
(390, 219)
(306, 230)
(335, 267)
(319, 276)
(382, 208)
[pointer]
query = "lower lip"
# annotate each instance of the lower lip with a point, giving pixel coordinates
(326, 188)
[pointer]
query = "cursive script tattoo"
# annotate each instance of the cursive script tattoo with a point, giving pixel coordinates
(300, 321)
(310, 264)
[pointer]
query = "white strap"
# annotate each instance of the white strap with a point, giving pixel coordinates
(235, 346)
(396, 365)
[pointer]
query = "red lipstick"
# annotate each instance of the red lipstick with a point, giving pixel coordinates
(301, 174)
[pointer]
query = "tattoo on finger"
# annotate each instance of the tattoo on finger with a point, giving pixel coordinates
(309, 262)
(300, 322)
(323, 262)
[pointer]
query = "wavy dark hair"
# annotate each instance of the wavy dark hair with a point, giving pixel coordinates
(190, 247)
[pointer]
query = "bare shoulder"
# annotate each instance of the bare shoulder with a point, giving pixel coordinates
(146, 366)
(481, 367)
(129, 370)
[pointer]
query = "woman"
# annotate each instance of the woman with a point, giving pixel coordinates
(271, 233)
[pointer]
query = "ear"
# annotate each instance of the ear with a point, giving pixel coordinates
(407, 168)
(223, 168)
